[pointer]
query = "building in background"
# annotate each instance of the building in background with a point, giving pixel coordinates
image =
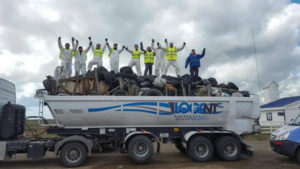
(279, 112)
(270, 92)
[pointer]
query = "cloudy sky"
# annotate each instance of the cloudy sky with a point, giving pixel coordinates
(29, 31)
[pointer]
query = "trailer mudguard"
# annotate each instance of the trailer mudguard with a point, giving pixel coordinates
(88, 143)
(130, 135)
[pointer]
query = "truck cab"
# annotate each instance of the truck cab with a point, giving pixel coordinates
(286, 140)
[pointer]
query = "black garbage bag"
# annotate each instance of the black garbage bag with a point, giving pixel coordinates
(187, 79)
(145, 83)
(213, 82)
(109, 78)
(120, 92)
(174, 81)
(126, 69)
(50, 85)
(152, 92)
(100, 71)
(245, 93)
(232, 86)
(206, 82)
(127, 75)
(150, 78)
(222, 85)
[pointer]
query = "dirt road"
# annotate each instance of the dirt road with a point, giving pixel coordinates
(169, 158)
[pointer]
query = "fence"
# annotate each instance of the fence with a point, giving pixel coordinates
(270, 126)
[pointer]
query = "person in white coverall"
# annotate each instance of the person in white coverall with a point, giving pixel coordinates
(171, 56)
(114, 56)
(159, 59)
(80, 59)
(98, 54)
(66, 57)
(135, 59)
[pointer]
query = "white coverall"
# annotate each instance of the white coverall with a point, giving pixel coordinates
(172, 62)
(66, 59)
(58, 74)
(80, 61)
(135, 62)
(97, 60)
(159, 60)
(114, 58)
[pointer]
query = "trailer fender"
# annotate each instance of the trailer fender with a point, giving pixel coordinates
(81, 139)
(189, 134)
(149, 134)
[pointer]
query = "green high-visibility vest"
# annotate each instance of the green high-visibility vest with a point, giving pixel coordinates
(136, 54)
(65, 49)
(149, 57)
(98, 52)
(171, 53)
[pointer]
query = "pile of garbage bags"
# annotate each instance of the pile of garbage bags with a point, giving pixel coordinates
(127, 83)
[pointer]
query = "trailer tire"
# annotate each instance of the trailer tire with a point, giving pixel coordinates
(72, 150)
(200, 149)
(228, 148)
(140, 149)
(179, 146)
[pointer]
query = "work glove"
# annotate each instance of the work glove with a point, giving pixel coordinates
(166, 40)
(126, 48)
(90, 38)
(106, 39)
(59, 38)
(153, 41)
(184, 43)
(73, 39)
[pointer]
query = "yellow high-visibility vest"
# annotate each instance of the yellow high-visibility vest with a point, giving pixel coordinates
(149, 57)
(98, 52)
(171, 53)
(110, 52)
(136, 54)
(66, 49)
(77, 51)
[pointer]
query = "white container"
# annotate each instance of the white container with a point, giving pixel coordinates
(7, 92)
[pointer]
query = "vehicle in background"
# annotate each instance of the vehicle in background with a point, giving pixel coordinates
(286, 140)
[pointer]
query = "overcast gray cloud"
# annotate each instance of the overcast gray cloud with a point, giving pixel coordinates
(29, 31)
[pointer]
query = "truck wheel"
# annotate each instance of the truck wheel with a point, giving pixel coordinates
(179, 146)
(200, 149)
(140, 149)
(229, 148)
(73, 154)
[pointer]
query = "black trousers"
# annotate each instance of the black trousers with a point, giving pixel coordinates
(148, 68)
(194, 72)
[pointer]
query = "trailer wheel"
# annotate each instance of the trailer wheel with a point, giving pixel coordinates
(73, 154)
(140, 149)
(229, 148)
(200, 149)
(179, 146)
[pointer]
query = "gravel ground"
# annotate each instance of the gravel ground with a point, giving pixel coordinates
(168, 158)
